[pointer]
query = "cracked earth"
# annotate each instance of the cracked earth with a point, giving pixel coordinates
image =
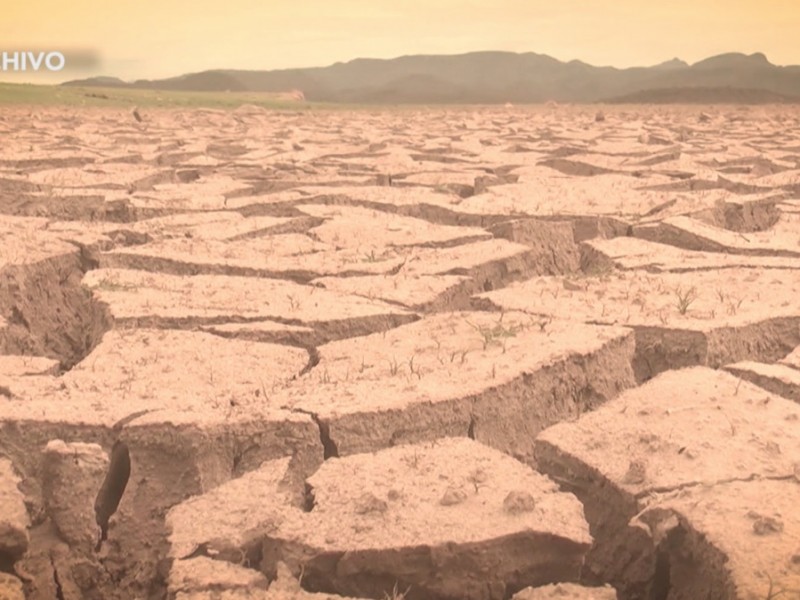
(420, 354)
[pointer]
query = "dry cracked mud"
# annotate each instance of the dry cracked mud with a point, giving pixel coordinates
(423, 354)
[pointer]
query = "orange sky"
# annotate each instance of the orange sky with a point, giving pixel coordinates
(161, 38)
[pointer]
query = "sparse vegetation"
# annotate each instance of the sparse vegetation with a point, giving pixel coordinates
(394, 366)
(107, 284)
(371, 257)
(685, 298)
(325, 377)
(491, 335)
(414, 370)
(396, 594)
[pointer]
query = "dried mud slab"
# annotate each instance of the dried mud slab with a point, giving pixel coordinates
(229, 519)
(777, 378)
(309, 227)
(370, 229)
(208, 193)
(566, 591)
(440, 207)
(287, 586)
(206, 578)
(72, 475)
(109, 175)
(201, 400)
(540, 193)
(268, 332)
(203, 577)
(291, 256)
(45, 310)
(691, 234)
(418, 292)
(359, 243)
(142, 299)
(165, 370)
(711, 318)
(684, 431)
(628, 253)
(395, 519)
(202, 226)
(445, 278)
(27, 241)
(295, 257)
(792, 359)
(499, 379)
(14, 522)
(745, 214)
(739, 539)
(21, 366)
(196, 384)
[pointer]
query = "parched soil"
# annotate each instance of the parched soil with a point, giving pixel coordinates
(424, 354)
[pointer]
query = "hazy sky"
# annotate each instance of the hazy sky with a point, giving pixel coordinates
(161, 38)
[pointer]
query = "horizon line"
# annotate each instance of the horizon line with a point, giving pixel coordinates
(674, 59)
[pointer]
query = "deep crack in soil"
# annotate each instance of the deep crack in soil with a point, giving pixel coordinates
(49, 312)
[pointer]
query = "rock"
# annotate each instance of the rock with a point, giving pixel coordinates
(187, 175)
(10, 587)
(287, 587)
(14, 521)
(204, 574)
(566, 591)
(72, 476)
(383, 179)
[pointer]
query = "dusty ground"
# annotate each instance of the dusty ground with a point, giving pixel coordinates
(445, 354)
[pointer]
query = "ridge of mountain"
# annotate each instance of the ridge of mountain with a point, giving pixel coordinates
(497, 77)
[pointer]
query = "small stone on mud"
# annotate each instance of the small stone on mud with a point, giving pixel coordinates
(766, 525)
(518, 502)
(453, 496)
(369, 503)
(573, 287)
(637, 472)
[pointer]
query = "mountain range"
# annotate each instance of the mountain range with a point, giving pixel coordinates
(500, 77)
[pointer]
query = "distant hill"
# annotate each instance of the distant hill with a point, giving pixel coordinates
(499, 77)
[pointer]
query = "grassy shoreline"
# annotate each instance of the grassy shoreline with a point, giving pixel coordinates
(28, 94)
(57, 95)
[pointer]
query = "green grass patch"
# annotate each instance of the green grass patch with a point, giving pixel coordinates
(56, 95)
(90, 96)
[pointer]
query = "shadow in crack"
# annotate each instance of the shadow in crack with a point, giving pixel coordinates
(114, 484)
